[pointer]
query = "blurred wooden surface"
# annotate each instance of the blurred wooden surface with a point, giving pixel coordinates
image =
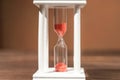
(20, 65)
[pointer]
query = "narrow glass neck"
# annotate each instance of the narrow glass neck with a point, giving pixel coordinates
(61, 41)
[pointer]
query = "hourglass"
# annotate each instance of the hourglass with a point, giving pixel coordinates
(60, 49)
(61, 70)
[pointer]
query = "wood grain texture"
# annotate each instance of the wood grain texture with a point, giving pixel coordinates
(100, 21)
(20, 65)
(16, 65)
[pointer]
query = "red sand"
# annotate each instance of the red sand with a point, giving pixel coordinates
(61, 67)
(60, 28)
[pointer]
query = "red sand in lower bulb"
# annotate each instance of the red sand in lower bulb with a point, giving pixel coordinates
(61, 28)
(61, 67)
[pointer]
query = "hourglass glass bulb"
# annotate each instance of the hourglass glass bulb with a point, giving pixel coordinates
(60, 58)
(60, 29)
(60, 49)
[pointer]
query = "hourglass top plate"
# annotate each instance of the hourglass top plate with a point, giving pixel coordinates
(56, 3)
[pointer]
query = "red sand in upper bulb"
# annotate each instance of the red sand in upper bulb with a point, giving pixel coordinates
(61, 28)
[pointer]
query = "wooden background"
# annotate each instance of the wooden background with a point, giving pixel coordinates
(99, 33)
(100, 25)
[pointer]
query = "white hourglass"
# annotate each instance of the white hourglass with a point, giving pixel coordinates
(61, 70)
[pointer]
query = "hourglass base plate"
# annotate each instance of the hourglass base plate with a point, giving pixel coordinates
(71, 74)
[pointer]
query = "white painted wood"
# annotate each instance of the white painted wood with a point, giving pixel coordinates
(43, 39)
(46, 40)
(56, 79)
(40, 38)
(59, 1)
(77, 39)
(45, 73)
(71, 74)
(54, 3)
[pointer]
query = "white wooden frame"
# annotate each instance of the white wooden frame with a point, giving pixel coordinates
(44, 72)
